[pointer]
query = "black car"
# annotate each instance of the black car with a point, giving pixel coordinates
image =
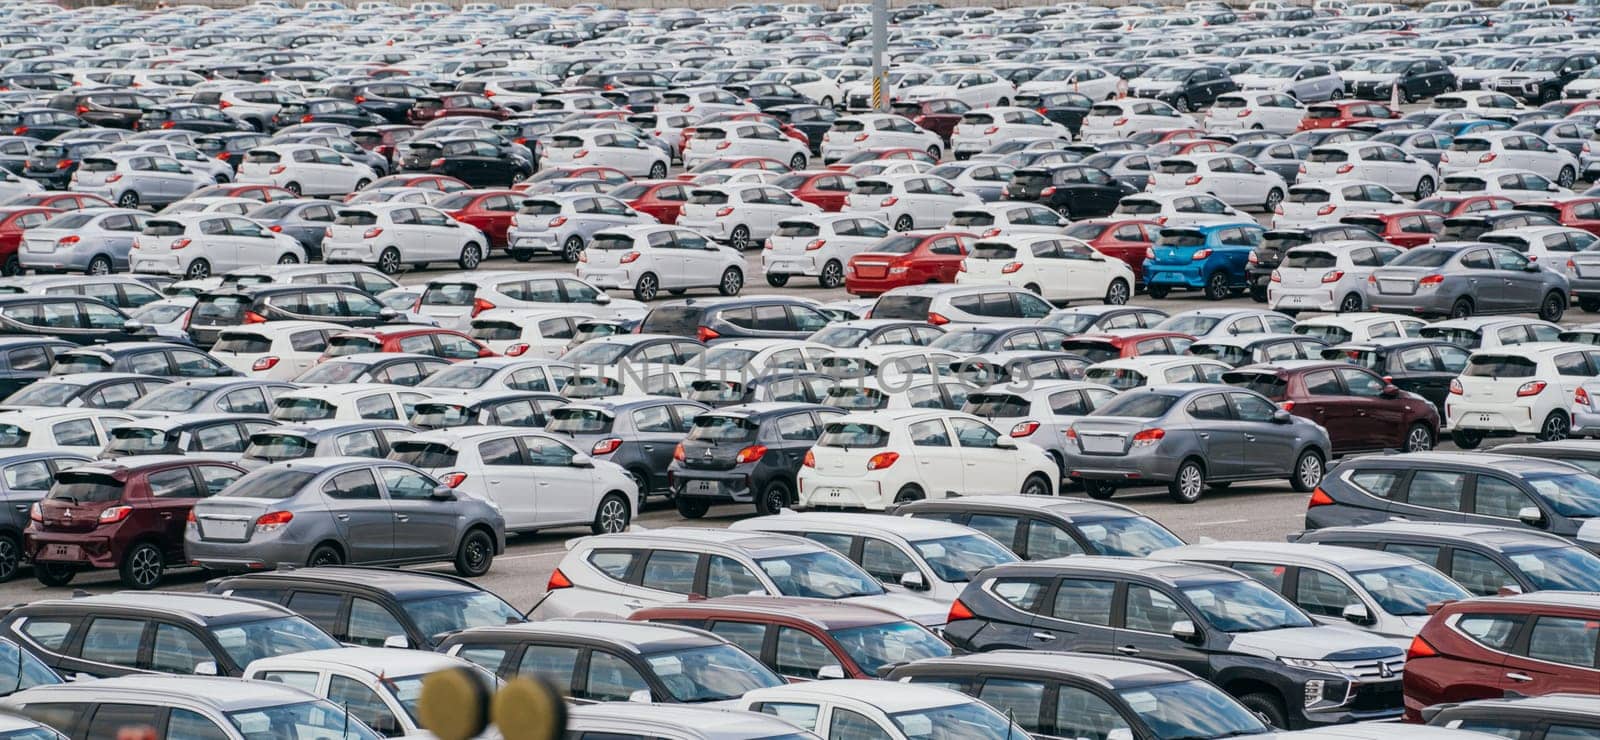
(765, 317)
(792, 386)
(40, 123)
(111, 108)
(745, 454)
(1090, 695)
(1487, 560)
(1540, 76)
(812, 120)
(1187, 87)
(1001, 337)
(1478, 488)
(1273, 657)
(1075, 191)
(1044, 527)
(202, 119)
(478, 163)
(182, 434)
(227, 308)
(26, 359)
(375, 607)
(1264, 259)
(75, 319)
(131, 633)
(766, 95)
(323, 110)
(1549, 717)
(161, 359)
(1470, 227)
(392, 98)
(1421, 366)
(1066, 108)
(1418, 78)
(53, 163)
(229, 146)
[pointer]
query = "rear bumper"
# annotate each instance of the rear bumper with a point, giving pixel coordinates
(1413, 304)
(1186, 276)
(838, 492)
(871, 286)
(615, 278)
(1301, 299)
(784, 264)
(87, 548)
(1490, 417)
(256, 554)
(737, 484)
(1131, 468)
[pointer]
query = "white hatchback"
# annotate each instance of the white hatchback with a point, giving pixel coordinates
(304, 169)
(1057, 268)
(877, 131)
(195, 246)
(1330, 276)
(742, 215)
(1233, 179)
(818, 246)
(1117, 119)
(392, 236)
(908, 202)
(649, 259)
(981, 129)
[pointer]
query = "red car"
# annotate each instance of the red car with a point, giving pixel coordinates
(441, 183)
(873, 155)
(939, 115)
(13, 221)
(1345, 113)
(1461, 205)
(385, 138)
(1580, 213)
(1186, 146)
(734, 163)
(1361, 411)
(1121, 238)
(60, 201)
(447, 344)
(456, 105)
(824, 189)
(127, 514)
(909, 258)
(663, 199)
(490, 210)
(609, 175)
(1489, 647)
(1405, 228)
(1156, 136)
(263, 193)
(1115, 344)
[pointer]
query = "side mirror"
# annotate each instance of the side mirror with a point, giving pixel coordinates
(1121, 733)
(388, 314)
(442, 493)
(1281, 417)
(602, 299)
(133, 325)
(1531, 516)
(396, 641)
(1390, 391)
(1357, 614)
(642, 696)
(581, 460)
(913, 581)
(1531, 267)
(1063, 222)
(830, 671)
(206, 668)
(1005, 443)
(1509, 589)
(1184, 629)
(1397, 200)
(1552, 188)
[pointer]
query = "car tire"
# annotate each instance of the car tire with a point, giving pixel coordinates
(832, 275)
(658, 171)
(129, 199)
(12, 267)
(1118, 292)
(934, 152)
(691, 508)
(907, 494)
(1350, 304)
(289, 259)
(362, 184)
(522, 256)
(471, 256)
(904, 223)
(1556, 427)
(739, 238)
(1467, 439)
(475, 554)
(10, 557)
(731, 283)
(100, 265)
(1268, 706)
(324, 555)
(142, 566)
(1036, 485)
(1259, 295)
(612, 516)
(1274, 199)
(570, 249)
(1308, 471)
(1099, 490)
(389, 261)
(1553, 307)
(1157, 291)
(1425, 188)
(1567, 177)
(1216, 286)
(1419, 438)
(1183, 104)
(198, 269)
(797, 162)
(647, 287)
(777, 281)
(293, 187)
(1461, 309)
(1189, 482)
(774, 498)
(827, 102)
(54, 574)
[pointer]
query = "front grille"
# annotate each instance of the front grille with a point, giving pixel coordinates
(1378, 696)
(1372, 668)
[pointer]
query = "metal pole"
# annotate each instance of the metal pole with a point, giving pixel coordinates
(880, 48)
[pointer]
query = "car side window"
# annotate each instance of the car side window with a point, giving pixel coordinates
(1085, 601)
(611, 679)
(671, 571)
(654, 419)
(1046, 540)
(974, 434)
(803, 716)
(552, 663)
(79, 433)
(1490, 630)
(1021, 701)
(353, 485)
(1498, 497)
(614, 563)
(113, 641)
(1322, 594)
(1564, 640)
(1436, 489)
(364, 704)
(174, 483)
(802, 655)
(844, 724)
(728, 577)
(1022, 593)
(1149, 610)
(1479, 574)
(406, 485)
(1212, 407)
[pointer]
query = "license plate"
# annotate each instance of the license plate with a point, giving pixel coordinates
(222, 529)
(703, 487)
(1102, 443)
(61, 552)
(1484, 418)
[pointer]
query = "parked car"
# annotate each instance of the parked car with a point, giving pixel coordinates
(1360, 409)
(1486, 559)
(1443, 280)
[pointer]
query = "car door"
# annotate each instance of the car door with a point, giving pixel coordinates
(361, 514)
(1148, 616)
(1561, 654)
(1072, 613)
(563, 490)
(1327, 403)
(1270, 447)
(939, 465)
(700, 258)
(1523, 290)
(655, 430)
(986, 467)
(424, 527)
(1218, 434)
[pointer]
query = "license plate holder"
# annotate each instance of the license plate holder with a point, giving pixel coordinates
(703, 488)
(60, 552)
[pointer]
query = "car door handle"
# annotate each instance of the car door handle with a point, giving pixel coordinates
(166, 515)
(1519, 676)
(402, 518)
(635, 604)
(1046, 636)
(1205, 435)
(342, 517)
(1249, 437)
(494, 480)
(1128, 650)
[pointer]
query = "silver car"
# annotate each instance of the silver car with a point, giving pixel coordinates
(1190, 436)
(1041, 411)
(334, 510)
(132, 179)
(93, 240)
(322, 438)
(563, 223)
(1461, 279)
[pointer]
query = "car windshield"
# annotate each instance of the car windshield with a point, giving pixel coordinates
(246, 642)
(597, 353)
(852, 434)
(311, 719)
(171, 398)
(1244, 606)
(819, 575)
(1574, 495)
(437, 615)
(896, 245)
(1191, 709)
(877, 646)
(1127, 536)
(1565, 568)
(579, 421)
(142, 441)
(840, 336)
(1137, 405)
(712, 673)
(45, 394)
(1407, 590)
(957, 559)
(969, 721)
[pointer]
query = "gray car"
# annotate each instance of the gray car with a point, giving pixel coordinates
(132, 179)
(322, 438)
(305, 219)
(210, 396)
(638, 433)
(1460, 279)
(564, 223)
(334, 510)
(93, 240)
(1190, 436)
(25, 478)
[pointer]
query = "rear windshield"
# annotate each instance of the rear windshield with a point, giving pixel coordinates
(1318, 112)
(439, 415)
(1470, 145)
(85, 488)
(801, 229)
(242, 343)
(578, 421)
(351, 345)
(902, 307)
(273, 447)
(540, 208)
(855, 398)
(611, 242)
(423, 454)
(1266, 384)
(163, 228)
(1138, 405)
(1308, 195)
(848, 125)
(449, 294)
(1328, 155)
(494, 330)
(713, 428)
(1181, 238)
(708, 197)
(1139, 206)
(996, 405)
(1499, 366)
(356, 218)
(262, 156)
(1177, 167)
(993, 251)
(852, 435)
(971, 218)
(141, 441)
(219, 310)
(302, 409)
(97, 165)
(1309, 260)
(683, 321)
(873, 187)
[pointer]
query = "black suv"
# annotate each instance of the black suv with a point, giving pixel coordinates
(1073, 190)
(1540, 76)
(766, 317)
(1215, 622)
(1044, 527)
(1486, 560)
(1264, 259)
(375, 607)
(1188, 87)
(745, 454)
(1417, 78)
(338, 304)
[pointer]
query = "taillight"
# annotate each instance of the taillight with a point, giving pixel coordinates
(1582, 396)
(606, 446)
(1009, 268)
(558, 220)
(990, 233)
(815, 244)
(557, 580)
(1276, 278)
(1345, 168)
(35, 514)
(180, 243)
(937, 319)
(1025, 429)
(706, 333)
(1120, 122)
(1319, 497)
(1148, 437)
(114, 177)
(959, 612)
(1193, 180)
(1531, 388)
(1490, 157)
(372, 233)
(1149, 253)
(1326, 210)
(1430, 280)
(273, 520)
(861, 137)
(1286, 405)
(629, 257)
(809, 461)
(1245, 113)
(276, 229)
(436, 163)
(889, 201)
(1047, 192)
(1332, 276)
(67, 240)
(1202, 254)
(277, 169)
(991, 130)
(678, 454)
(752, 454)
(169, 125)
(1456, 388)
(115, 514)
(882, 460)
(251, 317)
(724, 211)
(82, 109)
(581, 154)
(264, 363)
(1253, 259)
(1420, 649)
(453, 480)
(480, 305)
(63, 164)
(724, 145)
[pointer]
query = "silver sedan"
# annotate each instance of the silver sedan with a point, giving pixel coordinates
(1461, 279)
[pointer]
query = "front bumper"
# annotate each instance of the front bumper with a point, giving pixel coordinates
(839, 492)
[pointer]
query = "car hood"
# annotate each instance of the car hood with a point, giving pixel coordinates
(915, 607)
(1359, 77)
(1313, 643)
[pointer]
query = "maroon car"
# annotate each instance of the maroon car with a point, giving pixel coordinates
(807, 639)
(455, 105)
(13, 221)
(127, 514)
(1360, 410)
(1490, 647)
(939, 115)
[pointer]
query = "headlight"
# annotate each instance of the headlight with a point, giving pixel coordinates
(1315, 665)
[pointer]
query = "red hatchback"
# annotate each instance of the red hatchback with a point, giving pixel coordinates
(1344, 114)
(61, 201)
(824, 189)
(909, 258)
(1361, 411)
(1120, 238)
(127, 514)
(13, 221)
(1582, 212)
(1486, 648)
(447, 344)
(1404, 228)
(662, 199)
(489, 210)
(1461, 205)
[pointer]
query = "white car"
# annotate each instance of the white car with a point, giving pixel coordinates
(274, 350)
(560, 224)
(1233, 179)
(1135, 372)
(1087, 79)
(1360, 328)
(219, 170)
(981, 129)
(385, 683)
(876, 131)
(1179, 209)
(1484, 103)
(1524, 389)
(1057, 268)
(304, 169)
(1328, 276)
(975, 87)
(872, 461)
(1516, 150)
(211, 204)
(649, 259)
(742, 216)
(391, 236)
(822, 90)
(818, 246)
(73, 430)
(535, 479)
(908, 202)
(605, 148)
(495, 373)
(1255, 110)
(1328, 202)
(522, 332)
(1518, 185)
(1385, 164)
(195, 246)
(701, 102)
(350, 402)
(888, 710)
(1547, 245)
(1007, 217)
(1119, 119)
(453, 298)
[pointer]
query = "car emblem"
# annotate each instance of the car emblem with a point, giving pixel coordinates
(708, 452)
(1384, 672)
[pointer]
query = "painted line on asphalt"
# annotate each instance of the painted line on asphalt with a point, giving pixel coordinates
(1220, 521)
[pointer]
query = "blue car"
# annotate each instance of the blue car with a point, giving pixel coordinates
(1210, 258)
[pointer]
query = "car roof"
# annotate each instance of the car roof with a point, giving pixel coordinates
(403, 584)
(1333, 556)
(203, 607)
(756, 543)
(376, 661)
(891, 697)
(1162, 570)
(1111, 672)
(826, 613)
(905, 527)
(226, 694)
(639, 636)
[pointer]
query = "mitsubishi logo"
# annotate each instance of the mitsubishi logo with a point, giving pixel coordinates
(1384, 672)
(708, 452)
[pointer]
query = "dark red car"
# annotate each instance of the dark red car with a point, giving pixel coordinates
(1405, 228)
(60, 201)
(824, 189)
(1361, 411)
(1344, 114)
(1120, 238)
(456, 105)
(384, 139)
(1461, 205)
(447, 344)
(127, 514)
(1489, 647)
(734, 163)
(909, 258)
(873, 155)
(939, 115)
(490, 210)
(663, 199)
(13, 221)
(804, 639)
(1115, 344)
(263, 193)
(1582, 212)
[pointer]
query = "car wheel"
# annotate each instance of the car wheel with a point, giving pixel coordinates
(522, 256)
(1308, 471)
(198, 269)
(732, 282)
(1567, 177)
(1419, 438)
(1274, 198)
(1555, 428)
(934, 152)
(1032, 288)
(471, 257)
(1467, 439)
(739, 238)
(1350, 304)
(1158, 291)
(389, 261)
(362, 184)
(54, 574)
(1216, 286)
(658, 171)
(1552, 307)
(12, 267)
(570, 249)
(691, 508)
(612, 516)
(325, 555)
(129, 199)
(142, 566)
(903, 223)
(907, 494)
(1268, 706)
(1258, 294)
(773, 499)
(1182, 103)
(797, 162)
(10, 557)
(293, 187)
(475, 554)
(1036, 485)
(832, 275)
(827, 102)
(1424, 188)
(1337, 94)
(100, 265)
(645, 289)
(1118, 292)
(1099, 490)
(289, 259)
(1189, 483)
(1461, 309)
(1004, 102)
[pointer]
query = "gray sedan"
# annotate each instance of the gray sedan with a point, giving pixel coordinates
(1461, 279)
(93, 240)
(639, 433)
(1190, 436)
(334, 510)
(305, 219)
